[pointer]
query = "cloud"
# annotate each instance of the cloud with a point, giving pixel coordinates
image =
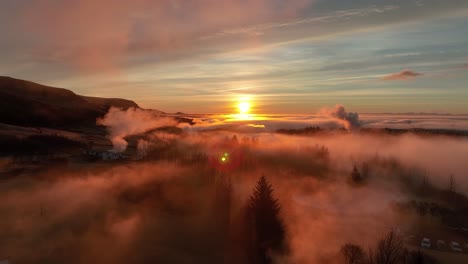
(266, 123)
(411, 121)
(122, 123)
(349, 119)
(256, 126)
(102, 35)
(403, 75)
(133, 208)
(333, 17)
(328, 118)
(110, 35)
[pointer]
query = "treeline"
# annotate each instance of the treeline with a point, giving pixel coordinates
(388, 250)
(454, 215)
(312, 130)
(263, 234)
(417, 131)
(36, 144)
(256, 233)
(304, 131)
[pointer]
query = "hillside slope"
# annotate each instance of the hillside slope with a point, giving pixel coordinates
(26, 103)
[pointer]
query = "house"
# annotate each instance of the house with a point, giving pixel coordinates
(109, 155)
(104, 155)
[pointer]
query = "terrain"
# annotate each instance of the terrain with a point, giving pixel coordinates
(185, 188)
(26, 103)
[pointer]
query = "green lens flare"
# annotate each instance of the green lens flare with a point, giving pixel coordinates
(224, 157)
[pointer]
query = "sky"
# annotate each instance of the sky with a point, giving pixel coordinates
(204, 56)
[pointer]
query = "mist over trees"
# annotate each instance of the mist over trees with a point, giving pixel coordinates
(200, 198)
(356, 176)
(389, 249)
(353, 254)
(266, 227)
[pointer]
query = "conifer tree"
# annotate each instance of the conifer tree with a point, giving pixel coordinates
(355, 175)
(267, 227)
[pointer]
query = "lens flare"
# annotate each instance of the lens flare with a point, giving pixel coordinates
(224, 157)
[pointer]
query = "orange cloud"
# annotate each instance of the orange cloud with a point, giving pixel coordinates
(97, 35)
(403, 75)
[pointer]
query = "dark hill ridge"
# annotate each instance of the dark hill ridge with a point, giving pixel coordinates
(26, 103)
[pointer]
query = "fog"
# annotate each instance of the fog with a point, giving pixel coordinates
(163, 209)
(184, 196)
(122, 123)
(326, 118)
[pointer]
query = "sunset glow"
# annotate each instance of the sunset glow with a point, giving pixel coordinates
(303, 54)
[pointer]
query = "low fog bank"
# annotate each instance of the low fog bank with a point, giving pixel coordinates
(411, 121)
(124, 123)
(333, 118)
(184, 200)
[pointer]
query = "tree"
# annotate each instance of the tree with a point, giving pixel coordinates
(452, 183)
(389, 250)
(223, 196)
(234, 140)
(222, 212)
(267, 227)
(365, 170)
(353, 254)
(416, 257)
(355, 175)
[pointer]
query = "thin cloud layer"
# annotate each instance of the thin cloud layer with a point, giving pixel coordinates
(329, 118)
(105, 34)
(174, 55)
(411, 121)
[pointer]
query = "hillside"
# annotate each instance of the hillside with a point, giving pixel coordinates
(26, 103)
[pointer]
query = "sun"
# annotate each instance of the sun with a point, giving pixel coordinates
(244, 107)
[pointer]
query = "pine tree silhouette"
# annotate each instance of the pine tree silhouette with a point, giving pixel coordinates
(355, 175)
(267, 227)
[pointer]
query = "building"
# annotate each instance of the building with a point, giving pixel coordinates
(104, 155)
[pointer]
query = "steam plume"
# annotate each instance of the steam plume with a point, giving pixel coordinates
(122, 123)
(350, 120)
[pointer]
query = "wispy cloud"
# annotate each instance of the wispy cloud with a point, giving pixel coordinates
(403, 75)
(113, 34)
(102, 35)
(333, 17)
(296, 56)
